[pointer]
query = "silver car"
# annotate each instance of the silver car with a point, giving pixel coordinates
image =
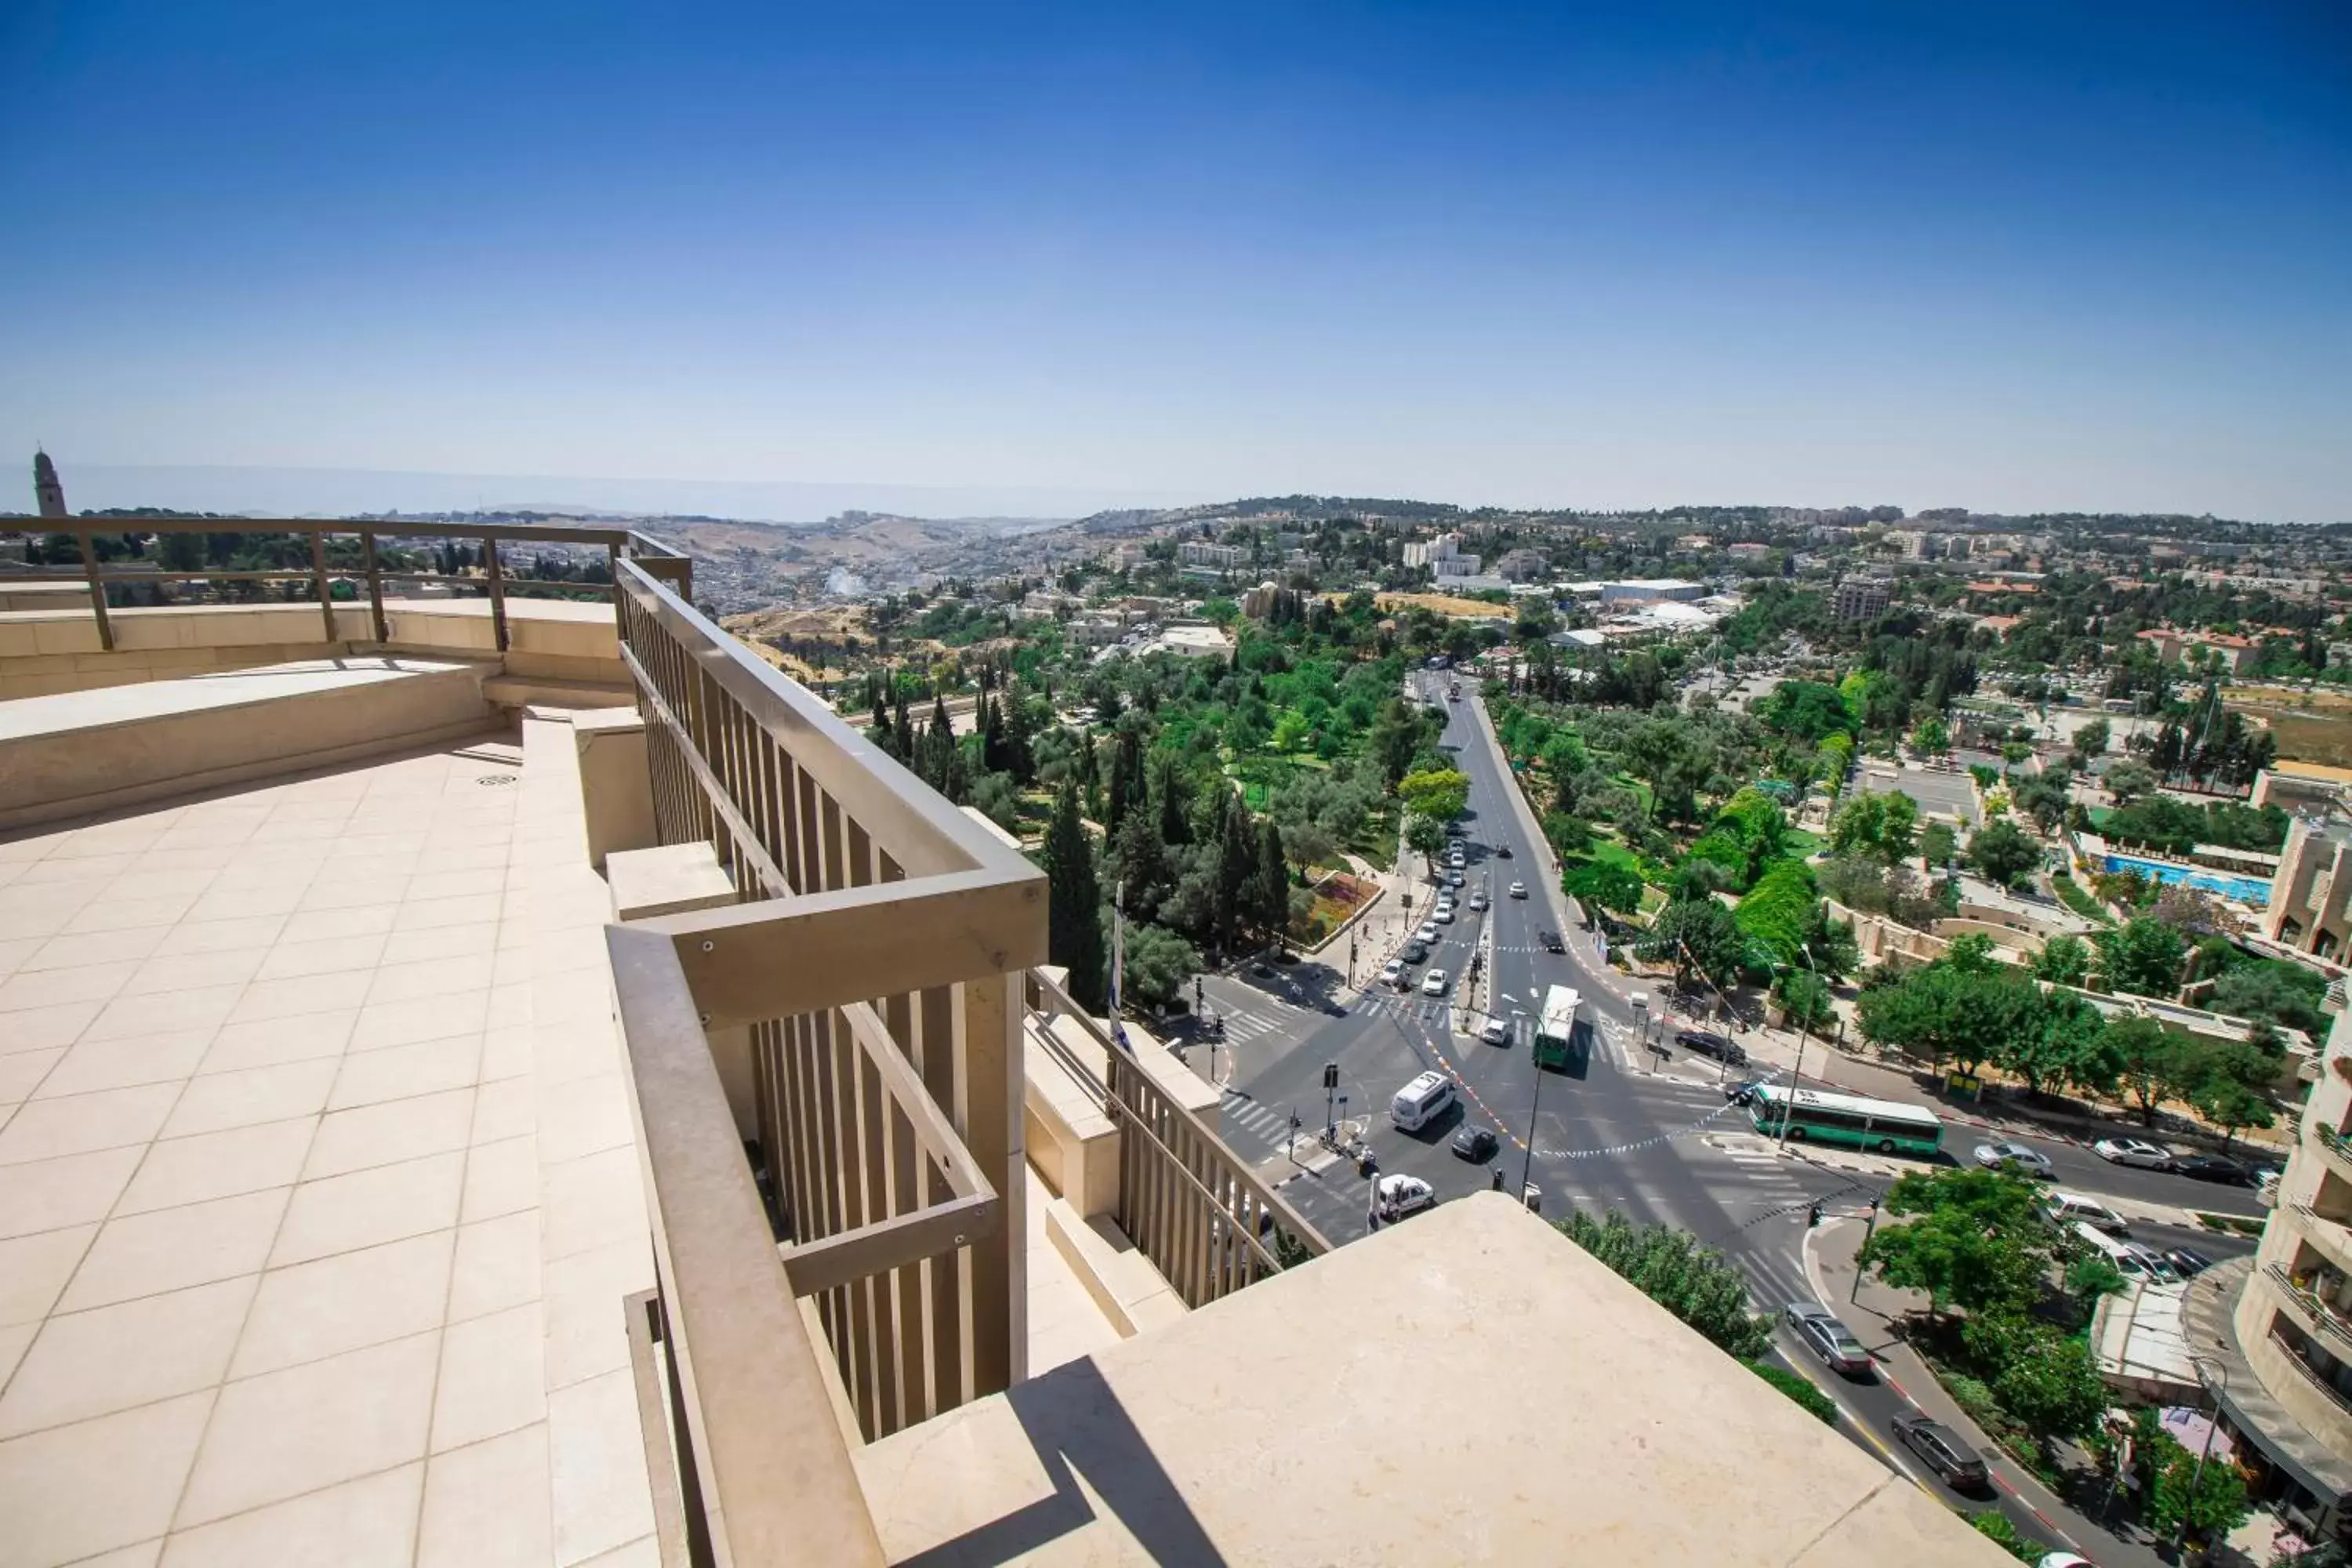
(2136, 1152)
(2017, 1157)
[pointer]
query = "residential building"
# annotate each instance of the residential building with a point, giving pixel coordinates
(1430, 552)
(2269, 1337)
(2310, 907)
(1216, 557)
(1649, 590)
(1861, 598)
(525, 1081)
(1523, 565)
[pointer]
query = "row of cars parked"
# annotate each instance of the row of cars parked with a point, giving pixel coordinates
(2136, 1153)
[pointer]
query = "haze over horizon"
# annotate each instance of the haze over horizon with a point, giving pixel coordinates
(2016, 259)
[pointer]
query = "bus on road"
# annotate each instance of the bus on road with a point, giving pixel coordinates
(1886, 1125)
(1556, 1028)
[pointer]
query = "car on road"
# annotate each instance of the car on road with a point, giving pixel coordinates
(1393, 973)
(1741, 1092)
(1705, 1043)
(2068, 1208)
(1444, 915)
(2017, 1157)
(1454, 878)
(1427, 935)
(2214, 1168)
(1396, 1197)
(1475, 1142)
(1433, 983)
(2186, 1262)
(1502, 851)
(1551, 940)
(1962, 1468)
(1518, 890)
(1477, 899)
(1454, 860)
(2134, 1152)
(1415, 951)
(1495, 1031)
(1818, 1329)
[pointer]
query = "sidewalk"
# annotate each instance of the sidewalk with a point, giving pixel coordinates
(1829, 1268)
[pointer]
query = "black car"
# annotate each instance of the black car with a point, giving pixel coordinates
(1415, 953)
(1945, 1453)
(1702, 1043)
(2188, 1262)
(1475, 1143)
(1502, 851)
(1551, 940)
(2214, 1168)
(1741, 1092)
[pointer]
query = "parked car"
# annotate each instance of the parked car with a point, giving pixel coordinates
(1453, 878)
(1818, 1330)
(1433, 983)
(2068, 1208)
(1962, 1468)
(2134, 1152)
(1427, 935)
(1495, 1032)
(1392, 972)
(1415, 951)
(1394, 1197)
(2214, 1168)
(1454, 860)
(1551, 940)
(1475, 1142)
(2017, 1157)
(2186, 1263)
(1444, 915)
(1722, 1047)
(1477, 899)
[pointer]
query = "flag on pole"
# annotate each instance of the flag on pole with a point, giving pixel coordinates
(1118, 958)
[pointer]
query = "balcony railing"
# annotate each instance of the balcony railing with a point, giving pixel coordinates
(651, 555)
(2335, 1143)
(2323, 1313)
(2299, 1356)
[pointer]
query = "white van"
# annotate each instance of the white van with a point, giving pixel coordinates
(1420, 1102)
(2069, 1208)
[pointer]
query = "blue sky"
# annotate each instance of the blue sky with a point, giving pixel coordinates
(2010, 257)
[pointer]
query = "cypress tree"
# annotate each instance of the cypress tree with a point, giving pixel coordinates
(1270, 886)
(1175, 826)
(1074, 932)
(1236, 867)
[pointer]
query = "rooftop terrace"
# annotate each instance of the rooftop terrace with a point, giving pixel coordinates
(646, 1134)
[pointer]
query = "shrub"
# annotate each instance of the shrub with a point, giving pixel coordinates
(1798, 1388)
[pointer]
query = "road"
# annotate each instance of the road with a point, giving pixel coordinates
(1605, 1134)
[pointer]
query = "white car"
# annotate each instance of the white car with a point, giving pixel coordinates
(1427, 934)
(1392, 972)
(1453, 878)
(1395, 1197)
(1445, 914)
(2134, 1152)
(1477, 900)
(2015, 1157)
(1433, 983)
(1495, 1032)
(1454, 860)
(1518, 890)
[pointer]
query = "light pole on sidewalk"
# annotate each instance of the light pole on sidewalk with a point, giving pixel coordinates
(2197, 1476)
(1868, 1226)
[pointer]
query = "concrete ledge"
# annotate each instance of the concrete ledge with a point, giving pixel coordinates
(77, 754)
(1122, 1281)
(1073, 1144)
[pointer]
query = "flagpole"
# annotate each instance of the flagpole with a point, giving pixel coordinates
(1118, 956)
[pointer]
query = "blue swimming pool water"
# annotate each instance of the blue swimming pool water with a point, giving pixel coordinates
(2245, 889)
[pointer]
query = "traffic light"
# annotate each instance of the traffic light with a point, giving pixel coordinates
(1330, 1075)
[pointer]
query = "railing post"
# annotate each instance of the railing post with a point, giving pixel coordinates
(612, 571)
(319, 581)
(375, 584)
(97, 588)
(990, 1040)
(497, 592)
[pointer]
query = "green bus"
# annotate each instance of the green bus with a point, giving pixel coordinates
(1886, 1125)
(1556, 1030)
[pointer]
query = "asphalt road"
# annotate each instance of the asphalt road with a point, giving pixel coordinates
(1605, 1134)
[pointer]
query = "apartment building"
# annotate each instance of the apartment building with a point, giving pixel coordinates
(1861, 598)
(517, 1081)
(1216, 557)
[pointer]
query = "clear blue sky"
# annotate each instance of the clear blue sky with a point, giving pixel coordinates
(2003, 256)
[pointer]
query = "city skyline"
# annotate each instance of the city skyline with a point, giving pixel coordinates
(2004, 261)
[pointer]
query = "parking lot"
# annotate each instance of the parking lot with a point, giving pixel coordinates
(1939, 794)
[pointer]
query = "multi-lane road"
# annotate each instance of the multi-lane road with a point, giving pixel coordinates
(1606, 1133)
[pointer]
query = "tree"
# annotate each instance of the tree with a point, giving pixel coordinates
(1947, 1014)
(1143, 868)
(1936, 842)
(1818, 1405)
(1074, 901)
(2044, 800)
(2127, 781)
(1882, 827)
(1995, 1526)
(1604, 885)
(2143, 956)
(2064, 959)
(2209, 1497)
(1973, 1239)
(1425, 836)
(2002, 852)
(2092, 739)
(2054, 1387)
(1804, 1000)
(1697, 936)
(1440, 793)
(1930, 738)
(1269, 889)
(2283, 993)
(2232, 1087)
(1236, 870)
(2060, 1041)
(1669, 1266)
(1157, 965)
(2153, 1064)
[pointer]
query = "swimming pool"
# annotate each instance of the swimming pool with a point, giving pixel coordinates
(2244, 890)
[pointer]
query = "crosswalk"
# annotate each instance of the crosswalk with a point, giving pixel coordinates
(1245, 1120)
(1432, 1012)
(1241, 1024)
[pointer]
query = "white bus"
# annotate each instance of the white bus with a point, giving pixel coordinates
(1555, 1029)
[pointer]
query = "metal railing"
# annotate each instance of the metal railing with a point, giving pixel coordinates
(651, 555)
(2327, 1317)
(2335, 1142)
(2300, 1356)
(1185, 1199)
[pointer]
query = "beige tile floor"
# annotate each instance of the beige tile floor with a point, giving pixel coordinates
(317, 1191)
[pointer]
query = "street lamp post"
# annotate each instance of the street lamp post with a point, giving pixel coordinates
(1797, 1073)
(2197, 1476)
